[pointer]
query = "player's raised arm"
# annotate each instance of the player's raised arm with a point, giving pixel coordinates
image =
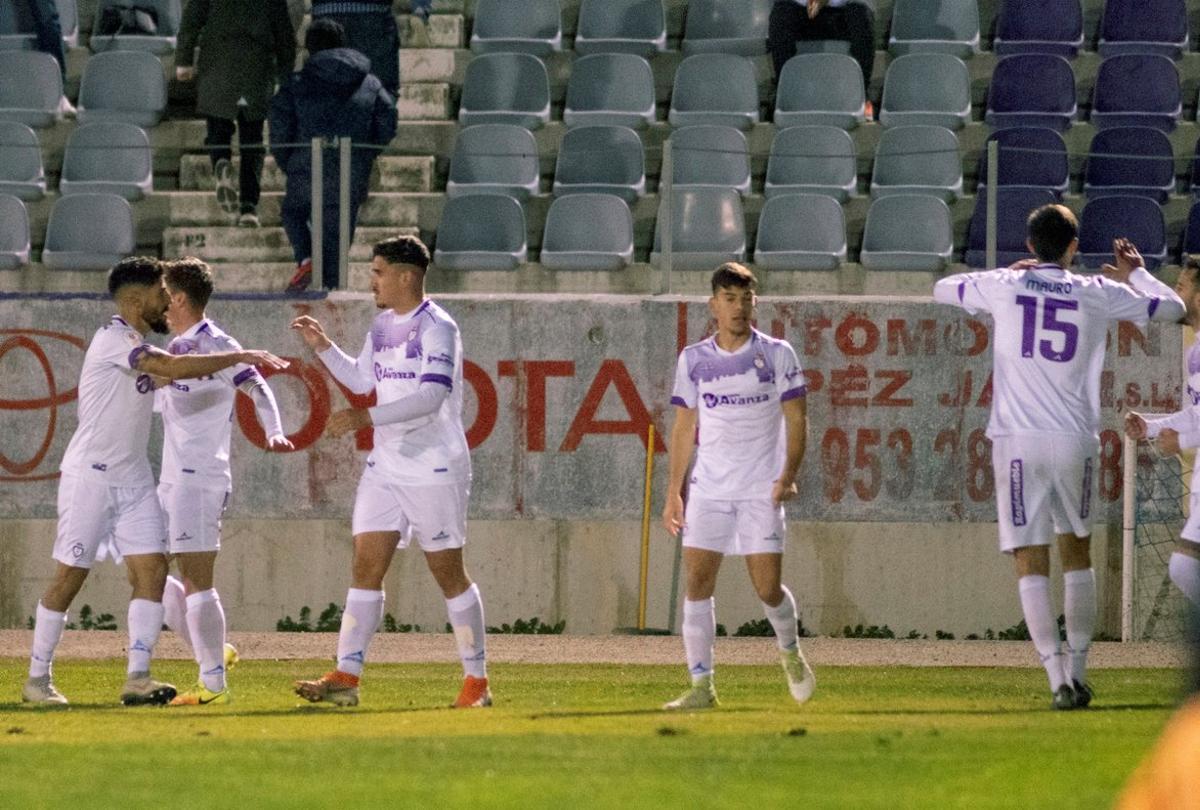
(254, 386)
(1158, 303)
(962, 290)
(154, 361)
(354, 374)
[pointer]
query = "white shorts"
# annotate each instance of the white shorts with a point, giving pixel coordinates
(753, 526)
(1045, 485)
(91, 513)
(435, 514)
(193, 517)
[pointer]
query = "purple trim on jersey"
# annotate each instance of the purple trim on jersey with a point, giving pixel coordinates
(245, 374)
(679, 401)
(1099, 281)
(137, 353)
(1016, 480)
(120, 320)
(441, 379)
(204, 327)
(1154, 302)
(1193, 358)
(1085, 505)
(182, 346)
(962, 290)
(795, 393)
(709, 364)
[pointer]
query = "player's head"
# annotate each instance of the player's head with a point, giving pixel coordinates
(1188, 287)
(189, 284)
(323, 34)
(1053, 234)
(398, 268)
(733, 298)
(137, 283)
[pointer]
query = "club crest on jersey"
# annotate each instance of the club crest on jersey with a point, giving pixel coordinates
(760, 361)
(144, 384)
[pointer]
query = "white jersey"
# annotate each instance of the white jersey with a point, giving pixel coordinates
(1051, 328)
(1187, 420)
(742, 441)
(198, 413)
(116, 403)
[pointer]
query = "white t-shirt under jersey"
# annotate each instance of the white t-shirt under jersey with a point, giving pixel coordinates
(742, 441)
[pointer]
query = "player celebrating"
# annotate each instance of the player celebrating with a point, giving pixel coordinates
(107, 490)
(746, 392)
(1178, 430)
(1051, 327)
(417, 479)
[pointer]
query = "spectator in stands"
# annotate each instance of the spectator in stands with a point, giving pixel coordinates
(244, 49)
(334, 95)
(371, 30)
(49, 39)
(795, 20)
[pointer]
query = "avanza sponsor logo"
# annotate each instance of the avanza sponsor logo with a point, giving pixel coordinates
(383, 372)
(713, 400)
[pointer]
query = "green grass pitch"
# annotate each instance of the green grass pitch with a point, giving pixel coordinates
(582, 736)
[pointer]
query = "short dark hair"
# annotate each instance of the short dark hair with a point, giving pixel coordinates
(144, 271)
(403, 250)
(733, 275)
(323, 34)
(1191, 262)
(1052, 228)
(193, 278)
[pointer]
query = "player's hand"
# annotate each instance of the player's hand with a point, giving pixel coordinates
(672, 516)
(1127, 258)
(1135, 426)
(184, 74)
(312, 333)
(815, 6)
(1168, 442)
(258, 357)
(781, 492)
(279, 444)
(347, 421)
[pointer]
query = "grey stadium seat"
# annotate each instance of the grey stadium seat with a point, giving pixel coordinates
(123, 86)
(709, 228)
(926, 88)
(89, 232)
(14, 233)
(610, 88)
(907, 232)
(820, 89)
(533, 27)
(801, 232)
(505, 88)
(710, 156)
(604, 160)
(169, 13)
(17, 30)
(108, 157)
(812, 160)
(917, 160)
(935, 26)
(588, 232)
(481, 232)
(621, 26)
(494, 159)
(727, 26)
(21, 172)
(30, 88)
(715, 88)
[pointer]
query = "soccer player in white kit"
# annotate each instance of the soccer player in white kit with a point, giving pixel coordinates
(746, 392)
(417, 479)
(107, 489)
(1051, 328)
(195, 481)
(1182, 430)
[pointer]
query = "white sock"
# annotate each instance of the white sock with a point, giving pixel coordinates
(145, 623)
(699, 631)
(47, 630)
(1185, 573)
(466, 618)
(175, 612)
(1043, 629)
(206, 622)
(1079, 609)
(364, 611)
(783, 619)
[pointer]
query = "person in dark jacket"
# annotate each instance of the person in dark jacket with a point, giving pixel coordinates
(371, 30)
(334, 95)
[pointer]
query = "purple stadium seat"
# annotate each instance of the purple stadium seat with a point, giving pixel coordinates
(1144, 26)
(1032, 90)
(1195, 179)
(1138, 219)
(1012, 210)
(1032, 157)
(1137, 90)
(1049, 26)
(1191, 233)
(1145, 166)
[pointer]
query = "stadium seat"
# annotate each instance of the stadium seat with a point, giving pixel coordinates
(820, 89)
(1032, 90)
(30, 88)
(907, 232)
(17, 31)
(21, 172)
(601, 160)
(481, 232)
(1130, 161)
(108, 157)
(1144, 26)
(801, 232)
(708, 226)
(1052, 27)
(610, 88)
(935, 26)
(505, 88)
(812, 160)
(1191, 233)
(588, 232)
(1013, 204)
(533, 27)
(1137, 90)
(1033, 157)
(14, 233)
(715, 88)
(926, 88)
(917, 160)
(738, 27)
(621, 26)
(1138, 219)
(710, 156)
(1194, 179)
(123, 86)
(494, 159)
(89, 232)
(168, 13)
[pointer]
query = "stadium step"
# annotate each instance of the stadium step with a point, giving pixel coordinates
(215, 244)
(199, 208)
(391, 173)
